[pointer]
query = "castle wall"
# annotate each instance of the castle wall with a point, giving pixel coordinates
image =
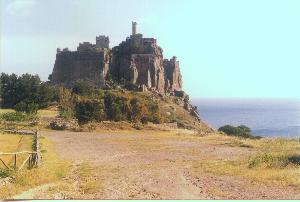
(137, 60)
(72, 66)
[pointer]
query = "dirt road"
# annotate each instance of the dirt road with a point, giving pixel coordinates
(150, 166)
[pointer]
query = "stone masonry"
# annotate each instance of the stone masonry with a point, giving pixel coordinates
(136, 60)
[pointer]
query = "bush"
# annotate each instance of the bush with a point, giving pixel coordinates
(66, 113)
(154, 112)
(16, 116)
(109, 105)
(240, 131)
(83, 88)
(66, 103)
(274, 160)
(139, 111)
(4, 173)
(89, 110)
(30, 108)
(117, 106)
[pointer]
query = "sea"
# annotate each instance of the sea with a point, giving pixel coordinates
(265, 117)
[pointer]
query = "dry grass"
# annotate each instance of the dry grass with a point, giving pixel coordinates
(13, 143)
(42, 112)
(83, 182)
(2, 111)
(47, 113)
(52, 170)
(275, 160)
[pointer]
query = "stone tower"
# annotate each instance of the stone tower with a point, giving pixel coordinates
(134, 28)
(102, 41)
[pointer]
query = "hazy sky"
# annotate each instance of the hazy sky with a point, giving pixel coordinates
(226, 48)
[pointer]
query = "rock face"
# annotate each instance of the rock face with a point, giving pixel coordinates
(139, 61)
(172, 74)
(136, 60)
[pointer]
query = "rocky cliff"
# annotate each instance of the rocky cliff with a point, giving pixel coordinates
(139, 61)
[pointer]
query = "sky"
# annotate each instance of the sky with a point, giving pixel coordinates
(226, 48)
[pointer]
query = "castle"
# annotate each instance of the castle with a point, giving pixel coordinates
(137, 60)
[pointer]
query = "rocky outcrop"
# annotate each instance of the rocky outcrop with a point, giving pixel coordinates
(173, 80)
(140, 61)
(137, 60)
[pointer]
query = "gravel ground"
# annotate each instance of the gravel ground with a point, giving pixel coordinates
(153, 166)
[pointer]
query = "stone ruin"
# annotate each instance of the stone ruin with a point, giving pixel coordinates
(137, 60)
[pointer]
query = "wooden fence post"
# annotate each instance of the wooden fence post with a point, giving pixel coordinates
(15, 163)
(38, 155)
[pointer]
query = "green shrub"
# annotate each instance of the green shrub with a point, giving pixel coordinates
(117, 107)
(16, 116)
(3, 173)
(139, 111)
(66, 113)
(240, 131)
(30, 108)
(89, 110)
(114, 105)
(83, 88)
(274, 160)
(100, 93)
(66, 103)
(155, 114)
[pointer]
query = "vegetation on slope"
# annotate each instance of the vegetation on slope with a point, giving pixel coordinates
(239, 131)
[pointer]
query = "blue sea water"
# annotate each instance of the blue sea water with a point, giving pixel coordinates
(264, 117)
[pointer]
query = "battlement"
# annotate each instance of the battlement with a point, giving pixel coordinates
(86, 47)
(102, 42)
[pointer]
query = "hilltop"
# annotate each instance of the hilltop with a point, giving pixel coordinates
(137, 62)
(136, 66)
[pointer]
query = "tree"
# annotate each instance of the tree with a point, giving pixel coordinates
(66, 105)
(26, 88)
(47, 95)
(9, 85)
(241, 131)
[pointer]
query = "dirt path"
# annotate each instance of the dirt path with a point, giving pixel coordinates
(149, 166)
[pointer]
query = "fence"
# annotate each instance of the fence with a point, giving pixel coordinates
(32, 158)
